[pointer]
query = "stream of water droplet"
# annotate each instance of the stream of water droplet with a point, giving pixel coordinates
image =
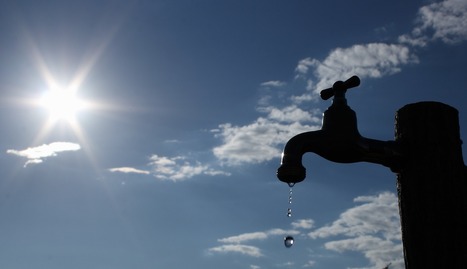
(289, 240)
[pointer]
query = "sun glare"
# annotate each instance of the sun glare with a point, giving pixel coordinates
(63, 104)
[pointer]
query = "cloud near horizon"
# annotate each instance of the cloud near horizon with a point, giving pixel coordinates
(37, 154)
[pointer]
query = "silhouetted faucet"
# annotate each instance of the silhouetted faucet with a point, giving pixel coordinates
(338, 140)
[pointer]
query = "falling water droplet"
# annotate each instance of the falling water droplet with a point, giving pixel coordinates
(288, 241)
(289, 212)
(290, 195)
(291, 184)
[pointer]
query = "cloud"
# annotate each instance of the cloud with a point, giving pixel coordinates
(445, 21)
(372, 60)
(259, 141)
(304, 65)
(273, 83)
(379, 214)
(127, 170)
(378, 251)
(303, 224)
(36, 155)
(309, 264)
(236, 243)
(242, 238)
(237, 248)
(372, 228)
(179, 168)
(237, 239)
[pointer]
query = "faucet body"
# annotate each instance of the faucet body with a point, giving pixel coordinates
(338, 140)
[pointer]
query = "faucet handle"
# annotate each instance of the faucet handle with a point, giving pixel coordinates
(342, 86)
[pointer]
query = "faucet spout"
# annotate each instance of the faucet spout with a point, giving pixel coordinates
(338, 140)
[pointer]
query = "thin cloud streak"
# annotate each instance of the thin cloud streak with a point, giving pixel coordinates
(180, 168)
(129, 170)
(241, 249)
(242, 238)
(36, 155)
(273, 83)
(235, 244)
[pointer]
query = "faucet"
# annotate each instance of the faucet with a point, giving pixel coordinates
(338, 140)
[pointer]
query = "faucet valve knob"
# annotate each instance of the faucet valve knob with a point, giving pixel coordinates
(340, 86)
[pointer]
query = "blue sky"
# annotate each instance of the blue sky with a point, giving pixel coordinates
(161, 148)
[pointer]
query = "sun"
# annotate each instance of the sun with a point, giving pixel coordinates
(62, 104)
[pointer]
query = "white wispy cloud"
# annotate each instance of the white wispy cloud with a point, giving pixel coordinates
(237, 239)
(259, 141)
(37, 154)
(303, 224)
(377, 215)
(309, 264)
(256, 142)
(273, 83)
(304, 65)
(237, 248)
(180, 168)
(373, 60)
(242, 238)
(127, 170)
(236, 243)
(372, 228)
(445, 21)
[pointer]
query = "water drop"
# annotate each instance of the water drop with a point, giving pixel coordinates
(291, 184)
(288, 241)
(289, 212)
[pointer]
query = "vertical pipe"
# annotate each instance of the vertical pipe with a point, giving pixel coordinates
(432, 187)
